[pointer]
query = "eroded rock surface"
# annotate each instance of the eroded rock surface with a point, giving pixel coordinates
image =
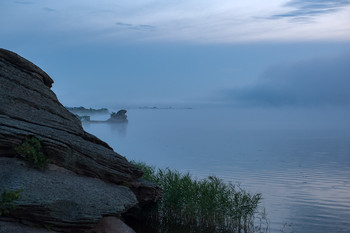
(86, 179)
(29, 107)
(62, 198)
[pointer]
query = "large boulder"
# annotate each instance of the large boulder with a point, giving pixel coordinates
(86, 179)
(29, 107)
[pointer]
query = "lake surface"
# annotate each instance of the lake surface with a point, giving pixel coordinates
(298, 159)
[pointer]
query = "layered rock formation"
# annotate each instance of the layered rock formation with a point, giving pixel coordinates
(100, 181)
(62, 198)
(28, 106)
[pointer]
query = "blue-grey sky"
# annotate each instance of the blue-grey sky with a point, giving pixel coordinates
(120, 53)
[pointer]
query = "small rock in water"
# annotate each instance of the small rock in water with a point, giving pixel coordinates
(119, 116)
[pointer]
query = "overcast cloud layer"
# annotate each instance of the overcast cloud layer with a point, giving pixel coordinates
(200, 21)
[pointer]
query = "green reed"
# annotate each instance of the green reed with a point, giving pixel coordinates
(206, 205)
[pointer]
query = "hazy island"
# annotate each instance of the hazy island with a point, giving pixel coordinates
(87, 111)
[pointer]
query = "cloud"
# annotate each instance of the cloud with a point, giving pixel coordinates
(318, 4)
(48, 9)
(24, 2)
(305, 9)
(198, 21)
(311, 83)
(143, 27)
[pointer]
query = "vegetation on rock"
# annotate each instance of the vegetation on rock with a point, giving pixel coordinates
(7, 200)
(207, 205)
(30, 149)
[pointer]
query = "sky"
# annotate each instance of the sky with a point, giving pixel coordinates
(186, 52)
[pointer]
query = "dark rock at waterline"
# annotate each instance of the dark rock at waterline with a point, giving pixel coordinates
(146, 191)
(28, 107)
(119, 116)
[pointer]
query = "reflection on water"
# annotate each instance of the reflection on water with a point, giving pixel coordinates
(120, 128)
(113, 127)
(300, 162)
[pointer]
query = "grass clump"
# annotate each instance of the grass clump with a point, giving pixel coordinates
(30, 149)
(207, 205)
(7, 200)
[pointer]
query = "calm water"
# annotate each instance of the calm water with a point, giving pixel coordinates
(298, 160)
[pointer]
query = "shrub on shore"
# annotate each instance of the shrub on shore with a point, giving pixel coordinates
(30, 149)
(207, 205)
(7, 199)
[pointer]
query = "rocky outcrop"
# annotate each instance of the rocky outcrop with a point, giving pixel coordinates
(119, 116)
(145, 191)
(88, 179)
(29, 107)
(115, 117)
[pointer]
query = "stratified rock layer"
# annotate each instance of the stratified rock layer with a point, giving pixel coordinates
(86, 179)
(62, 199)
(16, 227)
(29, 107)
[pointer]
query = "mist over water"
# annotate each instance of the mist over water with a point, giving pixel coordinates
(298, 158)
(284, 65)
